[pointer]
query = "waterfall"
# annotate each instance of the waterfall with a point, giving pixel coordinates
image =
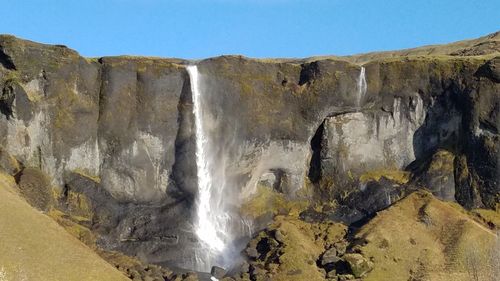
(221, 230)
(362, 86)
(211, 222)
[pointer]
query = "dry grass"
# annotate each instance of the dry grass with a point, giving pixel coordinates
(422, 238)
(266, 200)
(34, 247)
(397, 176)
(301, 245)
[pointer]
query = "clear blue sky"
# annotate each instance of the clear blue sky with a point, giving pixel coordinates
(255, 28)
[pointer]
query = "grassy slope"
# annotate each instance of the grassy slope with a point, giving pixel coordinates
(489, 44)
(423, 238)
(34, 247)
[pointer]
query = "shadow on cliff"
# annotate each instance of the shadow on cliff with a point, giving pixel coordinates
(184, 170)
(442, 127)
(449, 125)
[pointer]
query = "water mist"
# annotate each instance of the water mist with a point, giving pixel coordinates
(215, 225)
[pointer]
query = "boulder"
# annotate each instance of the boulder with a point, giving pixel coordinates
(8, 163)
(218, 272)
(359, 265)
(490, 70)
(332, 274)
(330, 256)
(345, 277)
(436, 174)
(341, 247)
(36, 188)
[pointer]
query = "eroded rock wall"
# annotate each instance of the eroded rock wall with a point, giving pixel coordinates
(126, 123)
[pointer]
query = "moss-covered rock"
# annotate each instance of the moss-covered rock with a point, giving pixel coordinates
(8, 163)
(36, 188)
(358, 264)
(267, 201)
(290, 248)
(436, 174)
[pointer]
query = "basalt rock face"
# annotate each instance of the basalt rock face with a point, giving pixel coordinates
(123, 122)
(121, 131)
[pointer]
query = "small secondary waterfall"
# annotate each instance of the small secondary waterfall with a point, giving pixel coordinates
(218, 225)
(362, 86)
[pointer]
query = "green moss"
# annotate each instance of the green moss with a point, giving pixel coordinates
(36, 188)
(400, 177)
(83, 173)
(92, 60)
(75, 229)
(442, 161)
(11, 77)
(66, 102)
(294, 248)
(267, 201)
(488, 217)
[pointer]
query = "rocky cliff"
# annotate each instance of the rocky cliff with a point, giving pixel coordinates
(362, 131)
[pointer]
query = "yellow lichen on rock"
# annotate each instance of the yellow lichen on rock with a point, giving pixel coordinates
(75, 229)
(266, 201)
(398, 176)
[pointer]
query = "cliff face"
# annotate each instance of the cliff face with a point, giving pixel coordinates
(120, 130)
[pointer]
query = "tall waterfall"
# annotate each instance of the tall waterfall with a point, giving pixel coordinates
(362, 86)
(211, 222)
(219, 228)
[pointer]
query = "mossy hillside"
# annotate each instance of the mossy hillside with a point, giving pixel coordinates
(142, 61)
(266, 201)
(302, 248)
(483, 46)
(295, 247)
(436, 247)
(34, 247)
(73, 211)
(489, 217)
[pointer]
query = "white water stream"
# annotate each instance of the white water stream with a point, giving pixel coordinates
(206, 227)
(215, 226)
(362, 86)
